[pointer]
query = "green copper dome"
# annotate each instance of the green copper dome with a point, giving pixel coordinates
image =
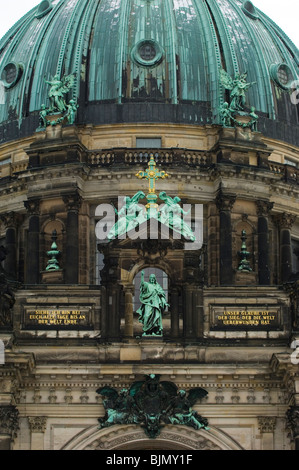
(148, 61)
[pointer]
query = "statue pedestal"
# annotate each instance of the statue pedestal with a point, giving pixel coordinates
(245, 278)
(150, 338)
(52, 277)
(243, 118)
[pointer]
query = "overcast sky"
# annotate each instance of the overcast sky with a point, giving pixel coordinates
(285, 14)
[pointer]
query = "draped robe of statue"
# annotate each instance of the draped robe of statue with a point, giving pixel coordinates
(153, 303)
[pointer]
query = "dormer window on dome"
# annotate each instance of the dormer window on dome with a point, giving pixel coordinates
(43, 9)
(282, 75)
(11, 74)
(249, 10)
(147, 53)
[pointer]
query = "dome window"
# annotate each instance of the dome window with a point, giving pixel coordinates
(147, 53)
(11, 74)
(44, 7)
(249, 9)
(282, 75)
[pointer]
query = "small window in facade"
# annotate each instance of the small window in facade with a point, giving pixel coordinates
(148, 142)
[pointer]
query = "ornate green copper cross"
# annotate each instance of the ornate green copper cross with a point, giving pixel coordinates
(152, 175)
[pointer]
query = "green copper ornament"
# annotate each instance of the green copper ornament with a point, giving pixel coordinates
(53, 264)
(244, 255)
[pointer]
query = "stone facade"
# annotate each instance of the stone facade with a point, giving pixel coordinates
(52, 370)
(69, 298)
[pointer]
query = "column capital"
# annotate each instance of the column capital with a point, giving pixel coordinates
(37, 424)
(266, 424)
(264, 208)
(285, 220)
(10, 219)
(9, 420)
(72, 201)
(225, 202)
(32, 206)
(292, 417)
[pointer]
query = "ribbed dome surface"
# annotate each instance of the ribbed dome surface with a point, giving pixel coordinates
(148, 61)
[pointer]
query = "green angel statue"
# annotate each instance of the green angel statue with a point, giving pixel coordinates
(58, 89)
(238, 86)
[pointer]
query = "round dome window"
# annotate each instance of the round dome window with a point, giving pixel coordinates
(44, 7)
(249, 9)
(282, 75)
(147, 53)
(11, 74)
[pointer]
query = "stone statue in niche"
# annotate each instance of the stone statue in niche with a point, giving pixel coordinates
(153, 304)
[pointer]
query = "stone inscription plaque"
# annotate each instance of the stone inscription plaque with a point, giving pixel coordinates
(245, 318)
(64, 318)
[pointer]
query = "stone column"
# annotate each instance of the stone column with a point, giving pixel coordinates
(266, 426)
(293, 423)
(224, 204)
(37, 426)
(263, 209)
(188, 314)
(9, 424)
(110, 316)
(11, 220)
(174, 308)
(33, 255)
(285, 222)
(129, 292)
(73, 203)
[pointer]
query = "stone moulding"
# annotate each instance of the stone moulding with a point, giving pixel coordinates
(131, 437)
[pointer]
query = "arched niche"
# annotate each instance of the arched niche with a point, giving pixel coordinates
(244, 240)
(48, 228)
(131, 437)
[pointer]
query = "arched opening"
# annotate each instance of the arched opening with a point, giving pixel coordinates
(131, 437)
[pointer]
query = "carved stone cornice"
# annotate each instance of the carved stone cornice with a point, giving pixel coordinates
(37, 424)
(32, 206)
(73, 202)
(9, 420)
(285, 220)
(266, 424)
(264, 208)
